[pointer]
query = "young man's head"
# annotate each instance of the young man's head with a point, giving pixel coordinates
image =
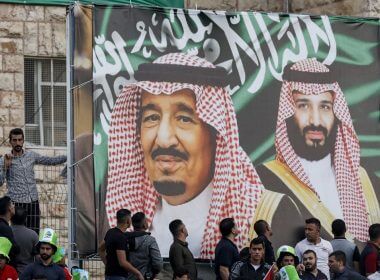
(261, 227)
(179, 148)
(312, 129)
(16, 139)
(257, 250)
(7, 208)
(374, 233)
(123, 218)
(309, 259)
(46, 250)
(286, 255)
(228, 228)
(139, 221)
(312, 229)
(337, 261)
(178, 229)
(338, 228)
(19, 218)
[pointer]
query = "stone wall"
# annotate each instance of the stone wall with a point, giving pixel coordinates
(365, 8)
(25, 30)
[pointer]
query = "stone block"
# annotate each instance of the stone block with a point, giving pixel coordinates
(212, 5)
(276, 6)
(59, 39)
(11, 99)
(346, 7)
(44, 39)
(4, 116)
(259, 5)
(7, 81)
(55, 14)
(17, 117)
(11, 45)
(20, 12)
(19, 82)
(13, 63)
(34, 13)
(11, 29)
(31, 38)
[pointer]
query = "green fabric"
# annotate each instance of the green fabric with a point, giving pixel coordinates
(59, 254)
(289, 272)
(5, 247)
(154, 3)
(80, 274)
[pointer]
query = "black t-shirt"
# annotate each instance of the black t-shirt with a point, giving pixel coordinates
(115, 240)
(226, 254)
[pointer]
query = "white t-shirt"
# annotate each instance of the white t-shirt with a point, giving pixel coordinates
(193, 214)
(323, 249)
(322, 177)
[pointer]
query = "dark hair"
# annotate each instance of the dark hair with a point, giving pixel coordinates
(122, 216)
(340, 256)
(5, 202)
(16, 131)
(284, 254)
(260, 227)
(19, 218)
(310, 251)
(226, 226)
(244, 254)
(138, 220)
(338, 227)
(314, 221)
(174, 227)
(257, 241)
(374, 232)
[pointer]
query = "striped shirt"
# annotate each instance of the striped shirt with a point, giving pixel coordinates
(20, 175)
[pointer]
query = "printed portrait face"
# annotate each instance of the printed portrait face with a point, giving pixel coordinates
(312, 129)
(178, 146)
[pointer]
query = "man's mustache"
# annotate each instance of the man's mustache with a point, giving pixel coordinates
(169, 152)
(315, 128)
(18, 147)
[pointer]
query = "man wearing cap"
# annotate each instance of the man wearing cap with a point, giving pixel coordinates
(7, 272)
(286, 255)
(317, 152)
(44, 266)
(309, 260)
(174, 153)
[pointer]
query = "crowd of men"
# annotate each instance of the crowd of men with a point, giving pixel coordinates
(136, 255)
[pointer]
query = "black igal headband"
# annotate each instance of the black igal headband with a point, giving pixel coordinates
(307, 77)
(175, 73)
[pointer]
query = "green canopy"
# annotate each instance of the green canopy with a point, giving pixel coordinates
(155, 3)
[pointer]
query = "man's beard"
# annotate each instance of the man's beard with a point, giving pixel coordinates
(310, 268)
(317, 151)
(170, 188)
(18, 148)
(45, 257)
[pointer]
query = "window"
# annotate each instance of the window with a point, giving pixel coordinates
(45, 102)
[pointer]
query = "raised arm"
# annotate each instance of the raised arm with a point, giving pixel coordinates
(44, 160)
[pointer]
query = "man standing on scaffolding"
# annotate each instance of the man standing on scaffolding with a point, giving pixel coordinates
(17, 168)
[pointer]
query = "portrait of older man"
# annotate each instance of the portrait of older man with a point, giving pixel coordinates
(174, 153)
(317, 152)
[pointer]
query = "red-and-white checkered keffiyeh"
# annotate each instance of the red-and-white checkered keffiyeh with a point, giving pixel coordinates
(346, 150)
(236, 186)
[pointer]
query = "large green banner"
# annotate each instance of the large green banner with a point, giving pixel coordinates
(206, 115)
